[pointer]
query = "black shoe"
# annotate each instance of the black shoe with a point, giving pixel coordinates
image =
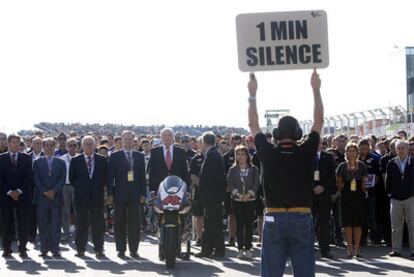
(134, 255)
(23, 254)
(43, 254)
(202, 255)
(121, 254)
(198, 243)
(232, 242)
(80, 254)
(340, 244)
(100, 255)
(217, 256)
(396, 254)
(358, 254)
(412, 255)
(327, 255)
(56, 255)
(6, 254)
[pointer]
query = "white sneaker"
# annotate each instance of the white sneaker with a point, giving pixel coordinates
(240, 254)
(248, 254)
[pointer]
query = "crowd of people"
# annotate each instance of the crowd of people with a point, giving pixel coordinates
(68, 128)
(363, 189)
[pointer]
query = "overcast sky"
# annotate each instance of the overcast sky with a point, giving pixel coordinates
(175, 62)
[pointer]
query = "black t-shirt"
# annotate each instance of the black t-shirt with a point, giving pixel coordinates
(288, 171)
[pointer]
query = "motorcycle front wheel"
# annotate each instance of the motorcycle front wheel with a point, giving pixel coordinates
(170, 246)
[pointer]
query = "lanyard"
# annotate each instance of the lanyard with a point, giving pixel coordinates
(243, 177)
(353, 171)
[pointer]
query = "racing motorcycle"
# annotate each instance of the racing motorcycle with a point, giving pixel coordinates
(172, 203)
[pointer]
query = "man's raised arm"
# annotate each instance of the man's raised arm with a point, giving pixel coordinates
(253, 117)
(318, 115)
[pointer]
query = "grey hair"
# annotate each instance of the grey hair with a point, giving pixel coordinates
(167, 129)
(127, 132)
(400, 142)
(88, 137)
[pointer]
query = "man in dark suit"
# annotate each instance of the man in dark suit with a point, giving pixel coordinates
(88, 173)
(212, 187)
(324, 185)
(167, 160)
(15, 179)
(229, 159)
(49, 177)
(126, 187)
(34, 155)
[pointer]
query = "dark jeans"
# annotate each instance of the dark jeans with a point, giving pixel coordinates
(288, 236)
(244, 212)
(213, 236)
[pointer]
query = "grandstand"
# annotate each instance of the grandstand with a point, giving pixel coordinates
(116, 129)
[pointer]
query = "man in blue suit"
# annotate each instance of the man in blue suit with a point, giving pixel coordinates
(126, 187)
(15, 179)
(88, 173)
(49, 178)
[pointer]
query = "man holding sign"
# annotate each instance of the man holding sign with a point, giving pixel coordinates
(288, 177)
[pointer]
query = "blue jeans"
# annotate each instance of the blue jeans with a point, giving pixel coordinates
(288, 236)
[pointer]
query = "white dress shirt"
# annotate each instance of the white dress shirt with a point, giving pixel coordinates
(67, 158)
(164, 149)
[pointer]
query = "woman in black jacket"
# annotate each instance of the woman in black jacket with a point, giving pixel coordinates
(243, 182)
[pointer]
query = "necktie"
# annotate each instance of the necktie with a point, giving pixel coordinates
(129, 160)
(49, 164)
(13, 159)
(89, 163)
(168, 159)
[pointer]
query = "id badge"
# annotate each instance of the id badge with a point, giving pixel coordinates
(316, 175)
(130, 176)
(353, 185)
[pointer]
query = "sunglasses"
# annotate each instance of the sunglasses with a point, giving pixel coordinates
(72, 145)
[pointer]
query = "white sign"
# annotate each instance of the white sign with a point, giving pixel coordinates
(282, 40)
